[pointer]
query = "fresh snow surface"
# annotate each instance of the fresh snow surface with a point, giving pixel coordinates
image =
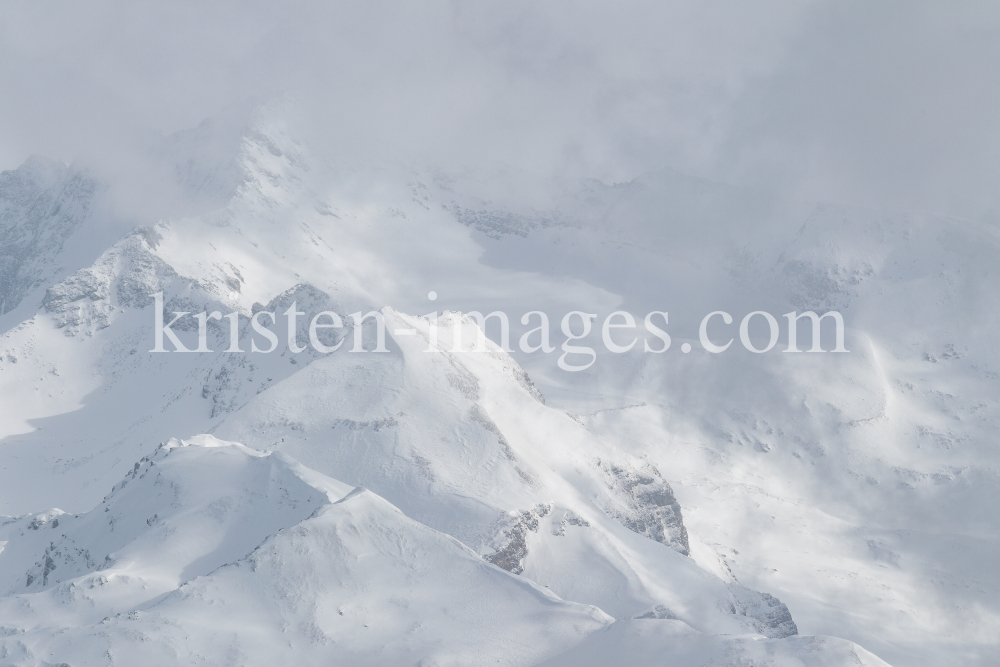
(211, 552)
(644, 643)
(682, 509)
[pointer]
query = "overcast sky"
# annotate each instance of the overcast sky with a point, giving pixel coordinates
(882, 104)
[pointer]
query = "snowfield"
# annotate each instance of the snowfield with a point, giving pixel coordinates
(461, 504)
(254, 559)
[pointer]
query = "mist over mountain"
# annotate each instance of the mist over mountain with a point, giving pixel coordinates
(379, 335)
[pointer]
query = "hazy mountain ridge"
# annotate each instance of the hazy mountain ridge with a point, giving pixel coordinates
(227, 522)
(597, 508)
(42, 204)
(240, 539)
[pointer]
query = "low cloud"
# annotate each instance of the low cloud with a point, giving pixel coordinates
(869, 103)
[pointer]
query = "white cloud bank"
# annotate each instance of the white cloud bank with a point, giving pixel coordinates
(883, 104)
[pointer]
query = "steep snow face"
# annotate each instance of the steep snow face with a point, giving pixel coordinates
(180, 513)
(254, 559)
(359, 583)
(460, 440)
(209, 551)
(860, 473)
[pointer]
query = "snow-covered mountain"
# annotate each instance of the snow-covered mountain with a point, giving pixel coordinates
(688, 508)
(255, 559)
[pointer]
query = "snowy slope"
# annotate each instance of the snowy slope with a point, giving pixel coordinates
(854, 488)
(645, 643)
(462, 442)
(255, 558)
(868, 475)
